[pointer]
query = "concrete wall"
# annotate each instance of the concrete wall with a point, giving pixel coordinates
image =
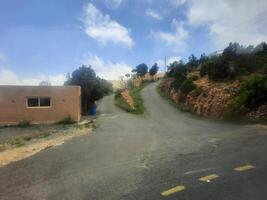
(65, 101)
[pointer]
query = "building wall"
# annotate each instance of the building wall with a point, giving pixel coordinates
(65, 101)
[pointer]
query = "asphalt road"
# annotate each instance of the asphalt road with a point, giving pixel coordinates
(146, 157)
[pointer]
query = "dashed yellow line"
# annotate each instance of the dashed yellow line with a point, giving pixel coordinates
(244, 168)
(180, 188)
(209, 177)
(173, 190)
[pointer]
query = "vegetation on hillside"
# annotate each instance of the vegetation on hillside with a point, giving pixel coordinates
(236, 62)
(134, 91)
(252, 94)
(135, 94)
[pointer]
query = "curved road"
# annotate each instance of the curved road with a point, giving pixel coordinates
(139, 157)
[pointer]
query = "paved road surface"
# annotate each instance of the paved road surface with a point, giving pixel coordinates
(146, 157)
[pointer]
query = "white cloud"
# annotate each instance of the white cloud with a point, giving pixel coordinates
(230, 21)
(151, 13)
(58, 79)
(176, 39)
(103, 29)
(107, 69)
(176, 3)
(113, 4)
(8, 77)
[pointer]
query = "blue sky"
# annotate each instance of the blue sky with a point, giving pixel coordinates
(46, 39)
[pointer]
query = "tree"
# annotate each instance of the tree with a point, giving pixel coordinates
(93, 88)
(171, 68)
(154, 69)
(203, 58)
(192, 62)
(230, 52)
(141, 69)
(128, 75)
(178, 71)
(187, 86)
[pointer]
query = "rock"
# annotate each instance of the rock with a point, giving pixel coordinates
(127, 98)
(212, 102)
(260, 112)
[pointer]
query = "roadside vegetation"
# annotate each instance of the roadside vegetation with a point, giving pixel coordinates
(252, 94)
(24, 124)
(120, 102)
(239, 73)
(129, 98)
(93, 88)
(19, 141)
(135, 95)
(32, 134)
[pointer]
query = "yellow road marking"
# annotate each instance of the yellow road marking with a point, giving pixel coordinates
(178, 188)
(209, 177)
(244, 168)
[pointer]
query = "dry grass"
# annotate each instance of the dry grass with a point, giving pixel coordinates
(15, 154)
(22, 140)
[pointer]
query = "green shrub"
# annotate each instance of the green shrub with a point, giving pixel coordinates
(265, 70)
(187, 86)
(178, 81)
(196, 92)
(217, 69)
(24, 124)
(17, 142)
(118, 93)
(204, 69)
(252, 94)
(137, 99)
(193, 77)
(176, 69)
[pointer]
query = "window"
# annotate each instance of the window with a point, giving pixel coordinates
(45, 102)
(33, 102)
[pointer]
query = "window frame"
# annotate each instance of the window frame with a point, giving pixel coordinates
(39, 102)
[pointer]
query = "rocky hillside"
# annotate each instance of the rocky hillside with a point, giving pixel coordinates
(231, 85)
(209, 99)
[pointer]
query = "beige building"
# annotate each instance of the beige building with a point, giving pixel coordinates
(39, 104)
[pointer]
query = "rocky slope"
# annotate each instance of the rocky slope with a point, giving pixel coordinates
(212, 100)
